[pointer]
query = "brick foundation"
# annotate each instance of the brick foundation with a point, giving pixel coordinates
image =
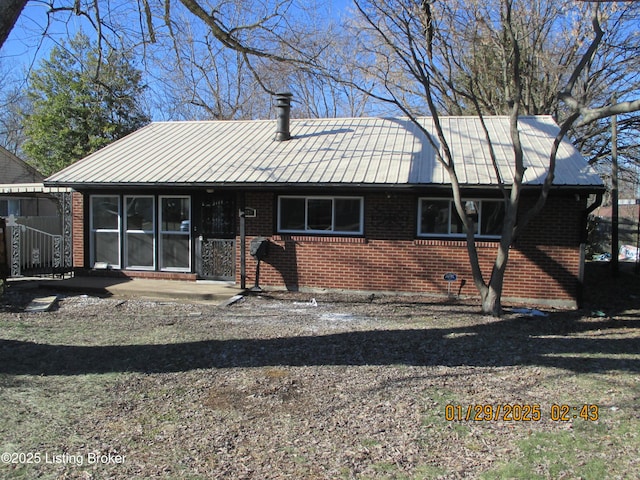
(137, 274)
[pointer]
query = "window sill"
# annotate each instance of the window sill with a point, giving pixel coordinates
(317, 238)
(455, 242)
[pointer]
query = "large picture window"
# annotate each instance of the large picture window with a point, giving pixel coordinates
(141, 232)
(332, 215)
(438, 217)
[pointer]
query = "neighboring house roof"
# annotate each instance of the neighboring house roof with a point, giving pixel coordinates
(14, 170)
(324, 152)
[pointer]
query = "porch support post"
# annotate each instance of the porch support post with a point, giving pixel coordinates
(243, 253)
(65, 208)
(16, 271)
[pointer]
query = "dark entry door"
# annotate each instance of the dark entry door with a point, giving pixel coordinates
(216, 255)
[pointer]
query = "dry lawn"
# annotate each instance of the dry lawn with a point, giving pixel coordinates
(277, 387)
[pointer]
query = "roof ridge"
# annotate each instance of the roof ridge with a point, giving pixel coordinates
(326, 119)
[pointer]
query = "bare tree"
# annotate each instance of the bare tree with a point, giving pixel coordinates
(215, 59)
(431, 57)
(320, 96)
(12, 104)
(197, 78)
(205, 79)
(258, 31)
(12, 101)
(218, 59)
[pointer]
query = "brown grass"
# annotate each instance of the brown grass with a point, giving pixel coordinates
(274, 388)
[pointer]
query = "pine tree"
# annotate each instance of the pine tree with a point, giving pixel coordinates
(80, 100)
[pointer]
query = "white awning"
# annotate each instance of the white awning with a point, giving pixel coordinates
(19, 188)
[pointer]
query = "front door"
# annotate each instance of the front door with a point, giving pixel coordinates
(216, 252)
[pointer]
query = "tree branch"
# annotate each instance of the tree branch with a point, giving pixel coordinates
(226, 37)
(592, 114)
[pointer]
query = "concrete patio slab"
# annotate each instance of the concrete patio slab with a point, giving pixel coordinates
(216, 293)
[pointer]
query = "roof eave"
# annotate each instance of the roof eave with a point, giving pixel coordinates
(83, 186)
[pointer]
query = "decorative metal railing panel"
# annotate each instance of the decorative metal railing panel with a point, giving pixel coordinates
(65, 210)
(42, 245)
(35, 252)
(217, 259)
(15, 249)
(32, 251)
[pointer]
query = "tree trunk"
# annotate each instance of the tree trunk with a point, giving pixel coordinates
(9, 12)
(491, 304)
(491, 295)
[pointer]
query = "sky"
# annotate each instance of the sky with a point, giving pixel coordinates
(26, 44)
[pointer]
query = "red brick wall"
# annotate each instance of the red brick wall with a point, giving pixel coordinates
(77, 227)
(544, 263)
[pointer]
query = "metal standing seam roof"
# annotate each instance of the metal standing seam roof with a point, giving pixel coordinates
(333, 151)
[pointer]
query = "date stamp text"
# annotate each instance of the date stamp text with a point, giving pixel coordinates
(520, 412)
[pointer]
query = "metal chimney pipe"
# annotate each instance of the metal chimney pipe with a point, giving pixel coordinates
(283, 105)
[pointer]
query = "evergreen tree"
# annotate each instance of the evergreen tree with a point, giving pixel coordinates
(80, 100)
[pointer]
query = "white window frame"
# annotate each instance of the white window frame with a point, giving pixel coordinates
(127, 231)
(479, 201)
(93, 230)
(332, 231)
(162, 232)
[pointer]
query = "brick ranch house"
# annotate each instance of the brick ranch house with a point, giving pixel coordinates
(357, 204)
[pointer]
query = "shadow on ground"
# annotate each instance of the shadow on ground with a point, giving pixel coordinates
(519, 341)
(574, 341)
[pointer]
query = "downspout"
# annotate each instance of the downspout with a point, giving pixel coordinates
(596, 203)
